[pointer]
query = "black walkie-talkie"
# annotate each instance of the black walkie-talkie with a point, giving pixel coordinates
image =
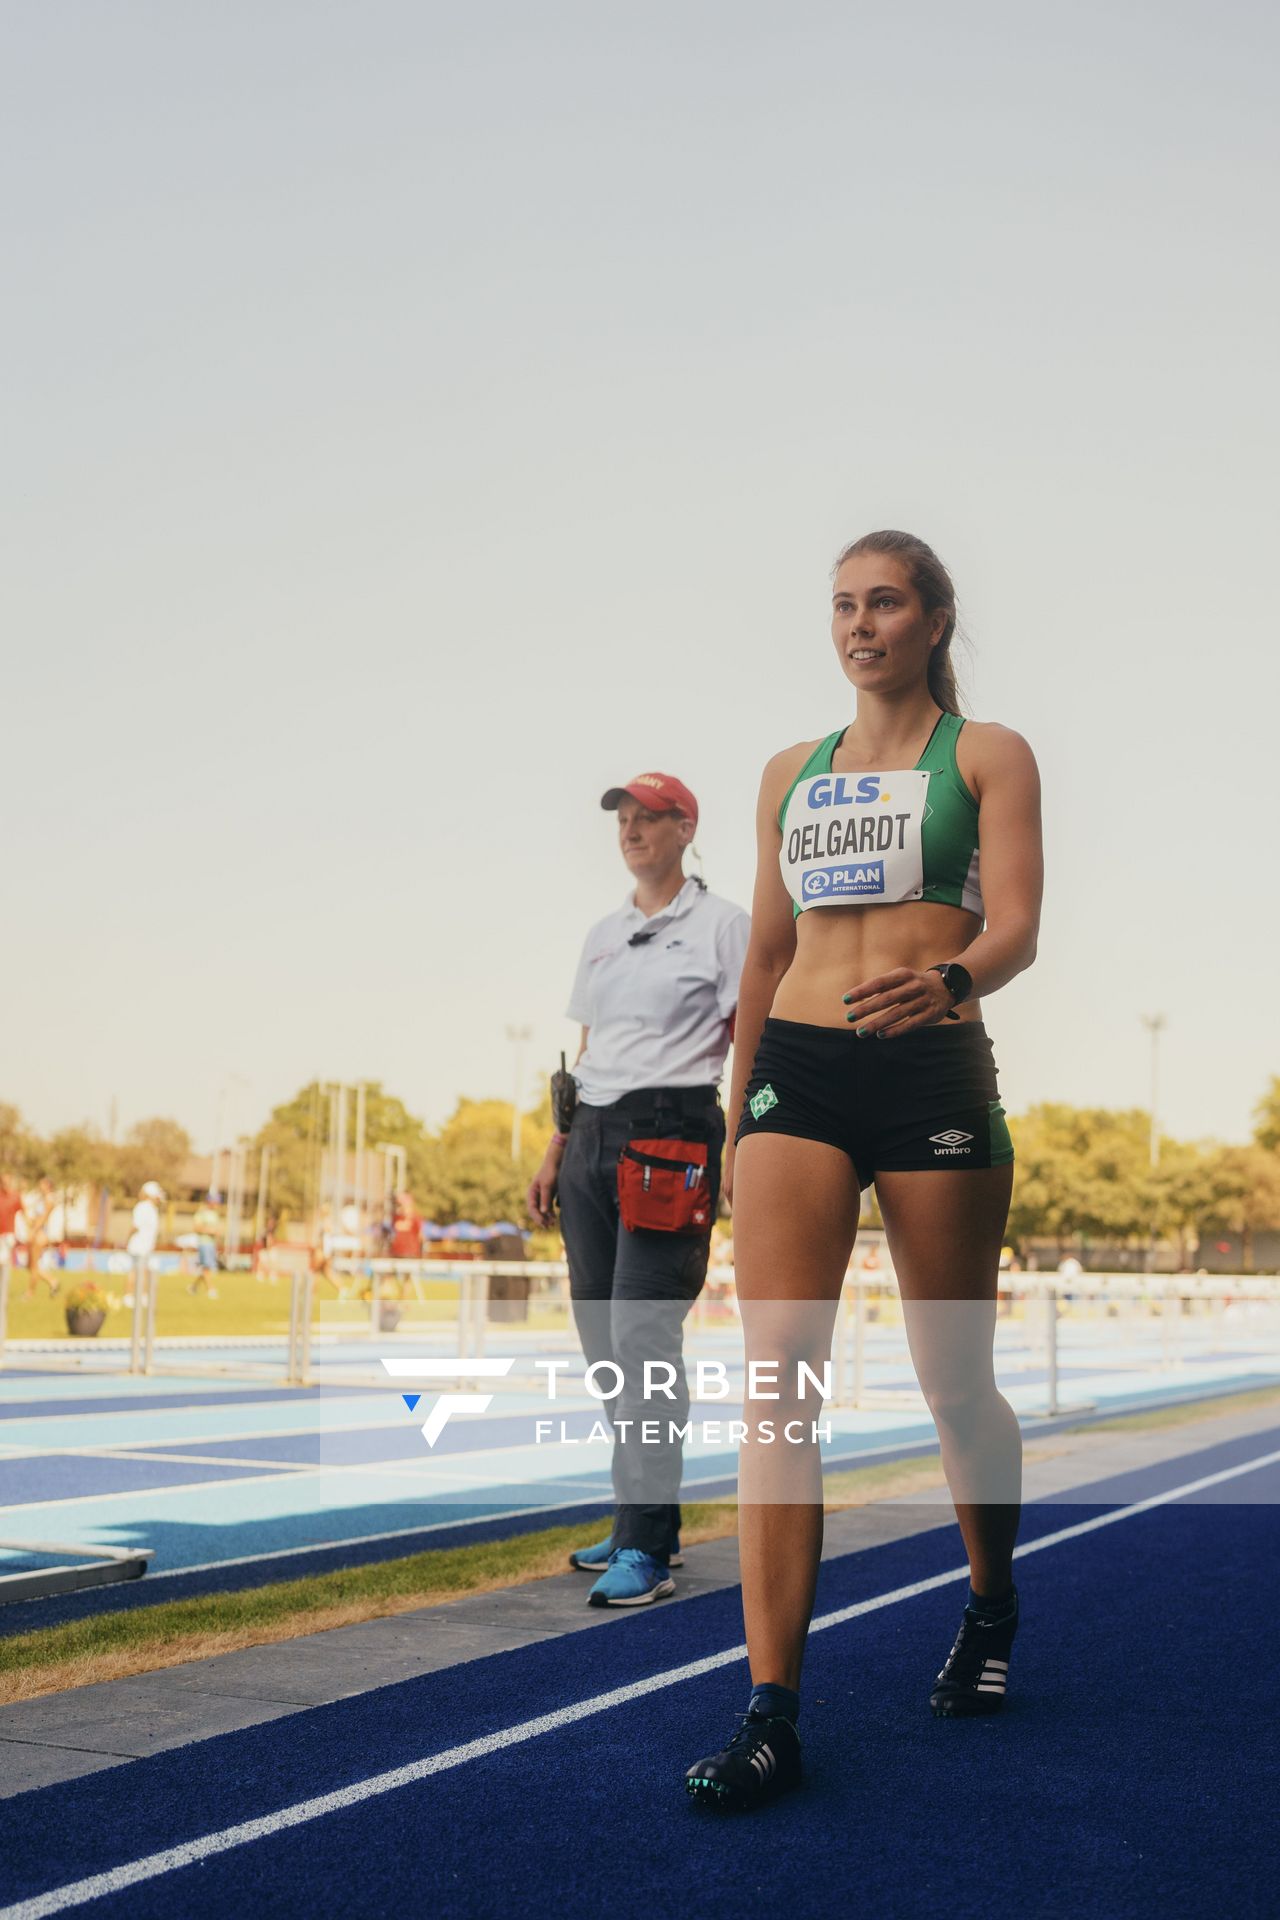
(564, 1097)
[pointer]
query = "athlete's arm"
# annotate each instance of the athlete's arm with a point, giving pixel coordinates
(1006, 780)
(772, 945)
(1001, 770)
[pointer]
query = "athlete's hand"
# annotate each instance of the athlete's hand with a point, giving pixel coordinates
(541, 1197)
(898, 1002)
(726, 1174)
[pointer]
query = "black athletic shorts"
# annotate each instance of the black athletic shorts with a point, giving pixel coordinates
(914, 1102)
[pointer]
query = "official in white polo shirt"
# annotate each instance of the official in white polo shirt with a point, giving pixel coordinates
(637, 1173)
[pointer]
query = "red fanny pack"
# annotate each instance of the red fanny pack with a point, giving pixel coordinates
(662, 1186)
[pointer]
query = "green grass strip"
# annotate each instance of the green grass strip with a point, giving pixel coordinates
(446, 1570)
(439, 1572)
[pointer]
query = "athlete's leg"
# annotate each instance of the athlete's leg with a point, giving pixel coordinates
(796, 1206)
(945, 1228)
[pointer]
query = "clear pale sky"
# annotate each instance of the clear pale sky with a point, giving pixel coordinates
(421, 417)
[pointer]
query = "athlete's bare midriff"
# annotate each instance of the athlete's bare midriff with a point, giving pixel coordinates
(841, 947)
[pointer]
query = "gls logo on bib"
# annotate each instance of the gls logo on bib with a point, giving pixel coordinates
(866, 843)
(833, 790)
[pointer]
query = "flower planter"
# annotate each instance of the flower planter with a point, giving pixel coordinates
(84, 1321)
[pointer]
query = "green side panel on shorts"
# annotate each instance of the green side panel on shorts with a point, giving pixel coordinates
(1001, 1138)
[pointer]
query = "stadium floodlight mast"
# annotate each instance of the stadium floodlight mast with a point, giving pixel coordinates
(227, 1111)
(260, 1209)
(1155, 1024)
(345, 1177)
(519, 1038)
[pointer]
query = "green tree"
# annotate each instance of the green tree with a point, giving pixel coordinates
(1266, 1116)
(298, 1135)
(1079, 1172)
(1247, 1195)
(1195, 1183)
(472, 1175)
(19, 1149)
(152, 1150)
(77, 1158)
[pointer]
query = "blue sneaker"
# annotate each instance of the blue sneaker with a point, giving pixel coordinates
(631, 1579)
(596, 1559)
(593, 1559)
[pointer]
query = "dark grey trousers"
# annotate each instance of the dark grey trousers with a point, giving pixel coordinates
(631, 1294)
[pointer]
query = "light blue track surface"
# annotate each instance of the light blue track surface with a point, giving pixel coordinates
(207, 1468)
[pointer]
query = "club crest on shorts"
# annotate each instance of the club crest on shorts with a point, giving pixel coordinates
(761, 1102)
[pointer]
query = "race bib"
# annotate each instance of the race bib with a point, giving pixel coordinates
(851, 839)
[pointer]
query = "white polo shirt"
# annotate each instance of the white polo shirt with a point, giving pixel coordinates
(146, 1228)
(658, 1013)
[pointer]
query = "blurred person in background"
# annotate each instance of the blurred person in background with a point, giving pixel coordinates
(205, 1227)
(10, 1213)
(145, 1238)
(37, 1206)
(406, 1229)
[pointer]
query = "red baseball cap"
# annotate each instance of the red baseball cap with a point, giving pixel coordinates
(660, 792)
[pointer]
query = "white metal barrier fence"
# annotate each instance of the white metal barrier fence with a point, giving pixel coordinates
(1043, 1300)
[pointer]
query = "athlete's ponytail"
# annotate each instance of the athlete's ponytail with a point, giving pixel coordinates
(933, 583)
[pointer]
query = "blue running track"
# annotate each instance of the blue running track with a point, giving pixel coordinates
(1131, 1775)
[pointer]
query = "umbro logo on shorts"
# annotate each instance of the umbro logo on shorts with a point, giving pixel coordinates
(952, 1141)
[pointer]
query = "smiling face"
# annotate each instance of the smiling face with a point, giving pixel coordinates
(652, 844)
(882, 633)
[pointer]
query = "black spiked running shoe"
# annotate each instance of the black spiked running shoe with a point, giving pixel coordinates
(761, 1761)
(977, 1668)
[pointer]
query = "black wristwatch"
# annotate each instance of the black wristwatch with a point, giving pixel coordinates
(957, 980)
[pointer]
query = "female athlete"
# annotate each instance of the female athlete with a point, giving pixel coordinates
(898, 885)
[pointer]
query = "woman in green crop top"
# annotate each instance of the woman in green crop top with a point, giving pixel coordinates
(899, 882)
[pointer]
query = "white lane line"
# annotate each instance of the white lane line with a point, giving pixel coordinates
(169, 1459)
(77, 1892)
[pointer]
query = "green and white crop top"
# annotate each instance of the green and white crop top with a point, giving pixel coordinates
(854, 839)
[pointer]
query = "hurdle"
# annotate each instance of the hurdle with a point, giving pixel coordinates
(92, 1567)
